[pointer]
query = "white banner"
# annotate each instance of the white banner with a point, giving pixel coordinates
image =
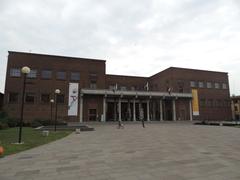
(73, 99)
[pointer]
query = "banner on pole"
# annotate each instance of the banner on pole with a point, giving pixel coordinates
(73, 99)
(195, 104)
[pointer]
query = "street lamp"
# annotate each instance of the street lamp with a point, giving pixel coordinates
(25, 70)
(57, 91)
(51, 102)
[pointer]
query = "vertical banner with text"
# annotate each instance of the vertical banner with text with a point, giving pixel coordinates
(73, 99)
(195, 104)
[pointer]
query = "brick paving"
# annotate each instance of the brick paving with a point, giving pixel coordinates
(161, 151)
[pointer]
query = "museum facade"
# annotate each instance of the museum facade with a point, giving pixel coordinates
(87, 93)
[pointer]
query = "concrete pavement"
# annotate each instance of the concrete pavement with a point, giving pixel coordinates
(171, 151)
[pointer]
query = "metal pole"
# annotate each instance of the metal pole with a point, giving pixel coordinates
(51, 110)
(22, 108)
(55, 122)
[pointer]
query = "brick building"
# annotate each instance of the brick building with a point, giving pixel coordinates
(173, 94)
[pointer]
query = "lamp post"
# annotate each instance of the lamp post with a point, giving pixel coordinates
(25, 70)
(51, 102)
(57, 91)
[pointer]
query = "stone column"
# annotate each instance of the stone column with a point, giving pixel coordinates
(190, 109)
(104, 109)
(161, 110)
(148, 115)
(134, 110)
(174, 109)
(129, 112)
(115, 110)
(154, 111)
(81, 109)
(119, 110)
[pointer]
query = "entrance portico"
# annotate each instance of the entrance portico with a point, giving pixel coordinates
(126, 105)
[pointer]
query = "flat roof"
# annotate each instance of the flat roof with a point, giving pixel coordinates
(58, 56)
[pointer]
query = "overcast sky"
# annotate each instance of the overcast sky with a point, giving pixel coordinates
(136, 37)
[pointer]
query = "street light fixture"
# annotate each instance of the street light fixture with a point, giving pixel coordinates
(25, 70)
(51, 102)
(57, 91)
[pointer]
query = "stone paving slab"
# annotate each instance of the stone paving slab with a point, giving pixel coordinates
(171, 151)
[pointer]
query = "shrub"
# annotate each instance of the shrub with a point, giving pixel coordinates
(3, 125)
(12, 122)
(35, 123)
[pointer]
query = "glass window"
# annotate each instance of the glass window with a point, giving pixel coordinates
(236, 108)
(192, 84)
(46, 74)
(216, 85)
(224, 86)
(123, 88)
(45, 98)
(61, 75)
(202, 102)
(29, 98)
(75, 76)
(13, 97)
(93, 85)
(200, 84)
(32, 74)
(60, 98)
(15, 72)
(209, 85)
(210, 103)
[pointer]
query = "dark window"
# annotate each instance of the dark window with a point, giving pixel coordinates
(202, 102)
(15, 72)
(92, 114)
(61, 75)
(45, 98)
(75, 76)
(46, 74)
(29, 98)
(236, 108)
(13, 97)
(210, 103)
(180, 86)
(32, 74)
(60, 98)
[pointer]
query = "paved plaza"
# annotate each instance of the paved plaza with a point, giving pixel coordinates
(161, 151)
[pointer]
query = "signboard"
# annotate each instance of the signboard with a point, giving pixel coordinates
(195, 104)
(73, 99)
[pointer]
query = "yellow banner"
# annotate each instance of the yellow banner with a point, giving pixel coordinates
(195, 105)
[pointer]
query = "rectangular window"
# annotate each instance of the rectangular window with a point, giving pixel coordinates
(200, 84)
(209, 85)
(29, 98)
(202, 102)
(123, 88)
(46, 74)
(236, 108)
(32, 74)
(45, 98)
(210, 103)
(224, 86)
(13, 97)
(93, 85)
(15, 72)
(60, 98)
(92, 114)
(61, 75)
(216, 85)
(75, 76)
(192, 84)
